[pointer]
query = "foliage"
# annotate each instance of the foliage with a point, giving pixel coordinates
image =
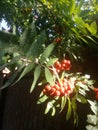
(42, 33)
(92, 119)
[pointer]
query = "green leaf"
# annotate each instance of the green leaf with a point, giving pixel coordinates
(42, 99)
(93, 28)
(49, 76)
(47, 52)
(81, 99)
(49, 106)
(76, 118)
(81, 24)
(78, 9)
(37, 46)
(37, 72)
(82, 92)
(23, 37)
(92, 119)
(72, 6)
(27, 36)
(51, 61)
(74, 107)
(83, 86)
(93, 106)
(68, 115)
(92, 39)
(53, 111)
(26, 70)
(63, 102)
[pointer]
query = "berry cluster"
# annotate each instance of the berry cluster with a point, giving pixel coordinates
(64, 88)
(62, 66)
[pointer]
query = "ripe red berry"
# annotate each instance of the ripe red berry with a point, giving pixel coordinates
(47, 87)
(68, 92)
(96, 96)
(57, 93)
(64, 61)
(62, 91)
(65, 84)
(56, 87)
(95, 90)
(52, 91)
(57, 65)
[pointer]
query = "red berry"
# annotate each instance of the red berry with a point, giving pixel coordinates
(68, 62)
(65, 94)
(57, 65)
(95, 90)
(96, 96)
(56, 87)
(65, 82)
(62, 91)
(64, 61)
(69, 91)
(47, 87)
(52, 91)
(57, 93)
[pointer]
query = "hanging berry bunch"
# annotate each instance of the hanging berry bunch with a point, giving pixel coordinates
(64, 88)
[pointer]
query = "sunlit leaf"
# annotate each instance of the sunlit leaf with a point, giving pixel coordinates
(63, 102)
(49, 106)
(92, 39)
(92, 119)
(81, 99)
(72, 6)
(51, 61)
(83, 86)
(78, 8)
(91, 127)
(93, 106)
(49, 76)
(93, 27)
(53, 111)
(42, 99)
(47, 52)
(82, 92)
